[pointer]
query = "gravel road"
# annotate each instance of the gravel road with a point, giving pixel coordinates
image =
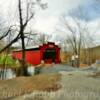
(76, 85)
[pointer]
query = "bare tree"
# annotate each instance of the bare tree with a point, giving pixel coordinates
(77, 35)
(37, 38)
(42, 39)
(26, 13)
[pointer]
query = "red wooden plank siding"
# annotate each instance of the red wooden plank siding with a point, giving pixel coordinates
(34, 56)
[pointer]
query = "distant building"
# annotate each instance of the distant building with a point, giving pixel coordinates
(90, 55)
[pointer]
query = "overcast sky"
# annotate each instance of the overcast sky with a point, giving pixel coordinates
(47, 20)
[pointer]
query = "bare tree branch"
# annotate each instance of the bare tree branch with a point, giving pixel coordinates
(5, 34)
(13, 41)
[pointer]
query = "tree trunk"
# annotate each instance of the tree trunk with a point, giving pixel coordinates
(78, 61)
(24, 67)
(22, 28)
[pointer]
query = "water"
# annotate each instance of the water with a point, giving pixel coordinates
(7, 74)
(57, 68)
(31, 70)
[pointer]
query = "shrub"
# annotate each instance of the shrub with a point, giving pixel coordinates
(7, 60)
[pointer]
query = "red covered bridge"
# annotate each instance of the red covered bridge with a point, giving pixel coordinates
(47, 52)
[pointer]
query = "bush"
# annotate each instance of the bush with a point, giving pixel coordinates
(7, 60)
(37, 70)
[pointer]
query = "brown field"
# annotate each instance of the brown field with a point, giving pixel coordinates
(24, 85)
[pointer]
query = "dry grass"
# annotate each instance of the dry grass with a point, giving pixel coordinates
(24, 85)
(64, 57)
(95, 75)
(83, 65)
